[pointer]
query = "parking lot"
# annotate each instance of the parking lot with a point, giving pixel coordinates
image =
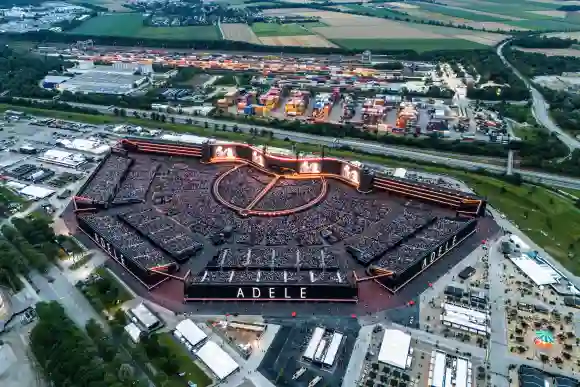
(284, 356)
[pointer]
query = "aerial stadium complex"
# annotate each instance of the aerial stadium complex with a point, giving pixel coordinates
(236, 222)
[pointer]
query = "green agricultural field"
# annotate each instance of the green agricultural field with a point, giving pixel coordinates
(381, 12)
(273, 29)
(461, 14)
(131, 25)
(514, 9)
(419, 45)
(118, 24)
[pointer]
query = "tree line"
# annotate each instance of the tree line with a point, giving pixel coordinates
(535, 41)
(564, 105)
(69, 358)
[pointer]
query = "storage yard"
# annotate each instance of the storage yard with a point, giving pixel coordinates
(322, 91)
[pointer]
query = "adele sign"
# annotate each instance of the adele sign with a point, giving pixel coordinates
(272, 293)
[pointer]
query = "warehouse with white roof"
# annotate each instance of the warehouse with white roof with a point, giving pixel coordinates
(395, 348)
(62, 158)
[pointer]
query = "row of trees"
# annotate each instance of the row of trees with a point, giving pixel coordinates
(69, 358)
(564, 105)
(532, 64)
(27, 243)
(21, 72)
(542, 42)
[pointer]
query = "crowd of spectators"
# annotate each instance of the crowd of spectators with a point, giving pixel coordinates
(170, 237)
(297, 258)
(290, 194)
(404, 255)
(270, 277)
(102, 186)
(387, 233)
(239, 188)
(111, 233)
(137, 181)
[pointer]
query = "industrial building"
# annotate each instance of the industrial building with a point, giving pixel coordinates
(395, 349)
(118, 79)
(88, 145)
(446, 370)
(465, 319)
(62, 158)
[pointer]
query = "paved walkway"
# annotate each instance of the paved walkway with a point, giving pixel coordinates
(248, 368)
(357, 359)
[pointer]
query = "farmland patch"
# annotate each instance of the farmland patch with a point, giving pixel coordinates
(419, 45)
(298, 41)
(239, 32)
(274, 29)
(131, 25)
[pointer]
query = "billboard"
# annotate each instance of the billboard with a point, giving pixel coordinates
(265, 292)
(350, 173)
(309, 166)
(224, 152)
(258, 158)
(397, 281)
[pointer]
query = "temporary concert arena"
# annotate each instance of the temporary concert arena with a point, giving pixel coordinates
(236, 222)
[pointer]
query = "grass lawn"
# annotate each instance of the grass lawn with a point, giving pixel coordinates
(131, 25)
(575, 192)
(549, 220)
(526, 133)
(274, 29)
(105, 294)
(553, 221)
(192, 372)
(419, 45)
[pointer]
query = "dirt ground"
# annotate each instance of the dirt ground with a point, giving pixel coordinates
(395, 31)
(564, 35)
(341, 26)
(299, 40)
(555, 14)
(523, 327)
(239, 32)
(404, 5)
(506, 17)
(488, 39)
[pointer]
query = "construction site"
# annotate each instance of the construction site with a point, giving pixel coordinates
(381, 113)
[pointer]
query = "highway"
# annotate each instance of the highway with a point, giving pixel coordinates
(540, 108)
(370, 147)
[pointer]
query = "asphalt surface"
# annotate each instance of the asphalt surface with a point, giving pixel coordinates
(375, 148)
(540, 108)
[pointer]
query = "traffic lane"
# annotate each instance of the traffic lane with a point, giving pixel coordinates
(377, 149)
(540, 109)
(62, 291)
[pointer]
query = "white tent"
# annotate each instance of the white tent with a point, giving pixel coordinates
(190, 332)
(395, 348)
(217, 360)
(35, 192)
